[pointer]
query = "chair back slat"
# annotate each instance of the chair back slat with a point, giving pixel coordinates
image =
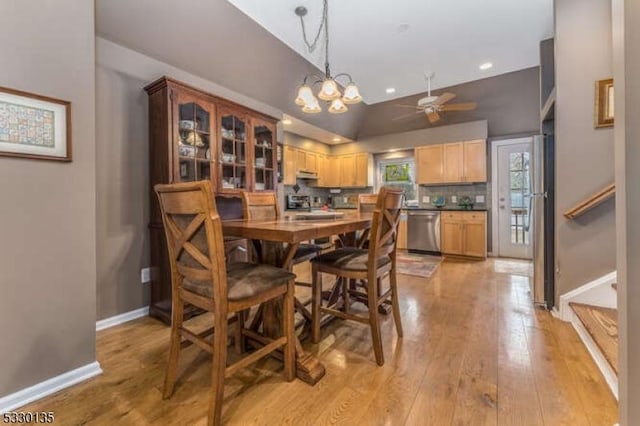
(367, 202)
(260, 206)
(194, 236)
(384, 227)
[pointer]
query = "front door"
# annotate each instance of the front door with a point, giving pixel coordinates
(514, 190)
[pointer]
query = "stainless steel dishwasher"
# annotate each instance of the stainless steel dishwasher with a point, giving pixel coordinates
(423, 229)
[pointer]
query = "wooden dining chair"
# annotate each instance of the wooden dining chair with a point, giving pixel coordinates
(199, 276)
(369, 266)
(264, 206)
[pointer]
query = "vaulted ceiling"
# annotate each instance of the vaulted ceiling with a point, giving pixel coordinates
(390, 44)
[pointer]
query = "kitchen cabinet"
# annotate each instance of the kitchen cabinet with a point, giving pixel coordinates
(464, 233)
(401, 243)
(322, 171)
(334, 172)
(458, 162)
(364, 170)
(311, 163)
(193, 136)
(290, 168)
(453, 162)
(347, 170)
(430, 164)
(475, 161)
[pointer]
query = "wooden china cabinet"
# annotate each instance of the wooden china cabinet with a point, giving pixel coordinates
(194, 135)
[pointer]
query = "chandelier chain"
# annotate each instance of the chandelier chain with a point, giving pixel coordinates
(323, 25)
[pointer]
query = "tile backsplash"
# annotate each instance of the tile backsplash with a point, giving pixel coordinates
(480, 194)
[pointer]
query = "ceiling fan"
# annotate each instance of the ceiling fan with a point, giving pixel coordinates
(431, 106)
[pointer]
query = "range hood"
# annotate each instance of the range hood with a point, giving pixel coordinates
(302, 174)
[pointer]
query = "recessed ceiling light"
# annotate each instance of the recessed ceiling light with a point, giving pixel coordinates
(403, 27)
(485, 66)
(336, 139)
(286, 121)
(390, 90)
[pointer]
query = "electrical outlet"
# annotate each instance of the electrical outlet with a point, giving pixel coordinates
(426, 199)
(454, 199)
(480, 199)
(345, 200)
(145, 275)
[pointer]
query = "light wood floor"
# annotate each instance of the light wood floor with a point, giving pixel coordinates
(475, 352)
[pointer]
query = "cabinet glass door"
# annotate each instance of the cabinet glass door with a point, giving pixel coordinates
(233, 152)
(194, 145)
(265, 167)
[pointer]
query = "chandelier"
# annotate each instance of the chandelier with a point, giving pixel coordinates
(329, 88)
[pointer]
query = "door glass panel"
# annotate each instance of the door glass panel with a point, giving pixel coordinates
(194, 150)
(263, 158)
(233, 152)
(520, 192)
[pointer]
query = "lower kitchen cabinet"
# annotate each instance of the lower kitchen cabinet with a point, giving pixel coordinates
(464, 233)
(402, 232)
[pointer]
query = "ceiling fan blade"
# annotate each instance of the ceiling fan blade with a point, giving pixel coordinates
(445, 97)
(433, 116)
(459, 107)
(406, 115)
(408, 106)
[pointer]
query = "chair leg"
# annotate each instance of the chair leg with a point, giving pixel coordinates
(174, 349)
(218, 369)
(395, 304)
(239, 338)
(288, 327)
(316, 300)
(374, 321)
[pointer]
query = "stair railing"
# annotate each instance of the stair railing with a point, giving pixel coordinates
(596, 199)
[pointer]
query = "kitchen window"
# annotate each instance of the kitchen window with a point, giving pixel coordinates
(398, 173)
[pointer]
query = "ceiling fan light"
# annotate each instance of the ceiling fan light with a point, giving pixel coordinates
(329, 90)
(351, 94)
(304, 95)
(312, 107)
(337, 107)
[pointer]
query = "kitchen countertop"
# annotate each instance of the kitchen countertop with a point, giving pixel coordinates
(448, 209)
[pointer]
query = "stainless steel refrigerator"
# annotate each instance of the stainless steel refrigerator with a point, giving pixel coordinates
(542, 220)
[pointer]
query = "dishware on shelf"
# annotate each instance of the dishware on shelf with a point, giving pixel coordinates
(207, 154)
(261, 162)
(187, 124)
(192, 138)
(228, 158)
(227, 134)
(186, 150)
(260, 186)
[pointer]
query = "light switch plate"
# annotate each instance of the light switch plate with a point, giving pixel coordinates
(454, 199)
(480, 199)
(145, 275)
(426, 199)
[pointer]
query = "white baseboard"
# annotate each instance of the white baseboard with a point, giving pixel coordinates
(603, 365)
(597, 292)
(122, 318)
(42, 389)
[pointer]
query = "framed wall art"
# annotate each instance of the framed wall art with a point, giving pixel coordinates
(604, 103)
(34, 126)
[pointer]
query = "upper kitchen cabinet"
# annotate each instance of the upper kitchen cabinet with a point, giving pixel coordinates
(290, 159)
(475, 161)
(459, 162)
(430, 164)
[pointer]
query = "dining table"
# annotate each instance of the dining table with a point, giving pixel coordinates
(276, 242)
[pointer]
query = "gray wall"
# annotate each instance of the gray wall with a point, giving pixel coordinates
(509, 102)
(411, 139)
(585, 247)
(218, 43)
(626, 38)
(47, 213)
(305, 143)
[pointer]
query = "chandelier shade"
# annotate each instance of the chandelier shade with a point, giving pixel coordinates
(337, 107)
(351, 94)
(330, 91)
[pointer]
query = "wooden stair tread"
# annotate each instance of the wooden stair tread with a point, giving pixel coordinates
(602, 324)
